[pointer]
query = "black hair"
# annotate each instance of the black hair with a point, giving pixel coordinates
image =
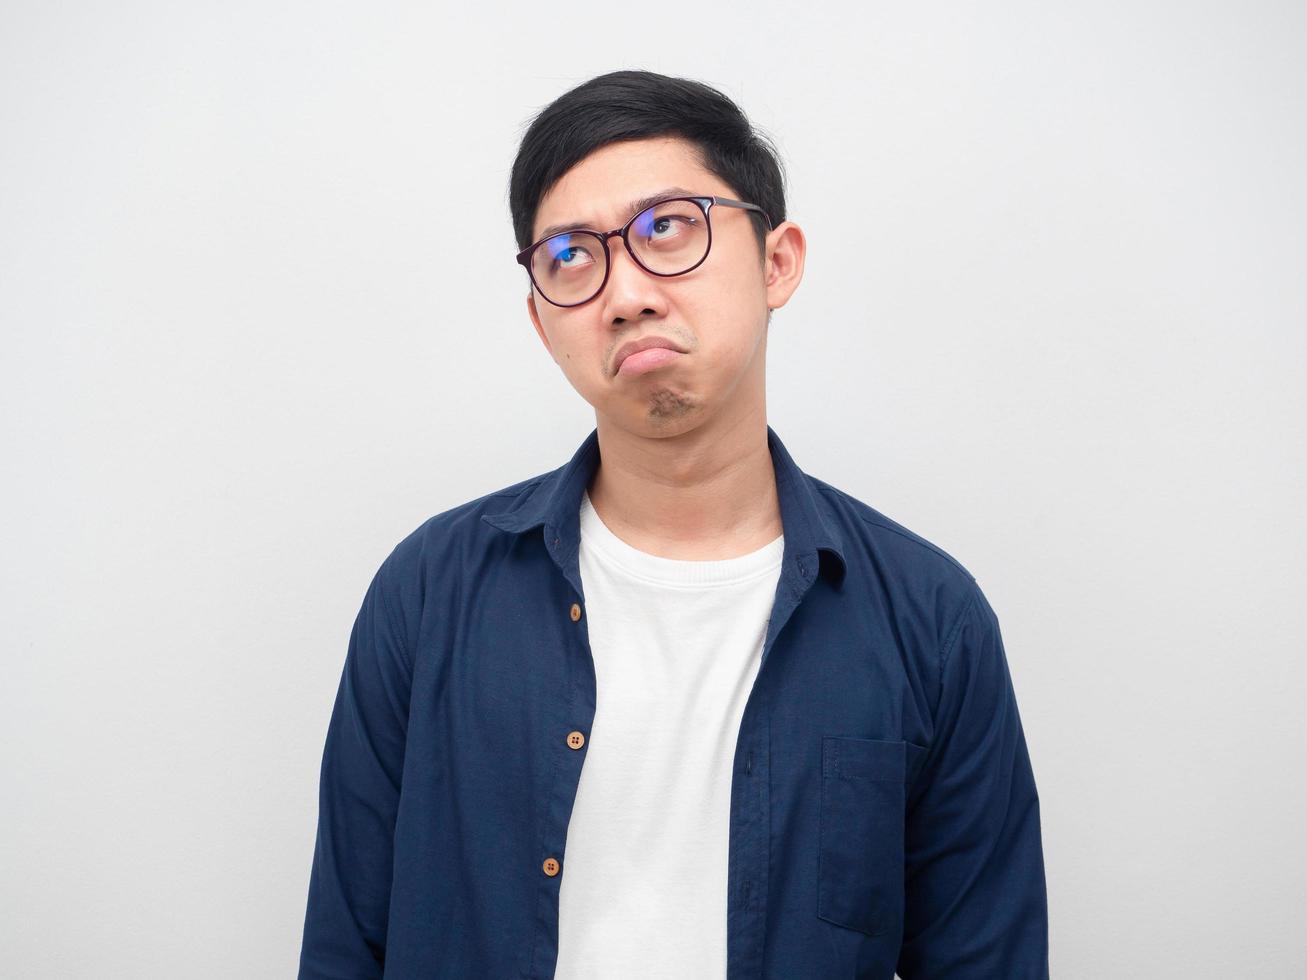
(634, 104)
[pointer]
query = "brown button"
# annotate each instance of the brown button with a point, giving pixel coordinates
(575, 739)
(551, 867)
(576, 612)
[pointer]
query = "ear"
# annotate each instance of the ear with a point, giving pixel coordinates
(783, 269)
(535, 320)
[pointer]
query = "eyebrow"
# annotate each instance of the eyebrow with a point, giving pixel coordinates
(635, 207)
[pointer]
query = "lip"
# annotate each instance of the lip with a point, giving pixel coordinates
(643, 343)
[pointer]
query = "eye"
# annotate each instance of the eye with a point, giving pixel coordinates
(667, 223)
(564, 254)
(668, 226)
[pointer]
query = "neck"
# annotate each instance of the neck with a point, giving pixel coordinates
(705, 494)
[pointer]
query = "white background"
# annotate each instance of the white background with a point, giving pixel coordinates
(261, 319)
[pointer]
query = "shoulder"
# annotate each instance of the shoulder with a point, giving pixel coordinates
(930, 603)
(434, 555)
(923, 588)
(875, 537)
(460, 526)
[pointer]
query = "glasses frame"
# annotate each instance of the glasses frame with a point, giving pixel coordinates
(705, 204)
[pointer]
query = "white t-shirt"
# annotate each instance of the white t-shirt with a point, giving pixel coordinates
(676, 648)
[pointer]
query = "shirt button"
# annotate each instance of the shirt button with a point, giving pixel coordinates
(576, 612)
(575, 739)
(551, 867)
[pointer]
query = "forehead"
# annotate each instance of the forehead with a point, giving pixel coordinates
(599, 190)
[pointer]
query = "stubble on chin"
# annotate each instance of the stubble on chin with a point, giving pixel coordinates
(666, 405)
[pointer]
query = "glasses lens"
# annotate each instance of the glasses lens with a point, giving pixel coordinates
(670, 237)
(568, 268)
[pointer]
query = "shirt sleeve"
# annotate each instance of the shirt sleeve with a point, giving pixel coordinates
(976, 905)
(362, 761)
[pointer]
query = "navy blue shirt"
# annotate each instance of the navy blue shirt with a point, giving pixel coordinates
(883, 814)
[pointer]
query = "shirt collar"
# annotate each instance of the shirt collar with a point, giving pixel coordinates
(554, 500)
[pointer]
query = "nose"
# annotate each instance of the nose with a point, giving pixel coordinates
(631, 290)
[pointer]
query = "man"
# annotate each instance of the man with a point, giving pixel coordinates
(676, 708)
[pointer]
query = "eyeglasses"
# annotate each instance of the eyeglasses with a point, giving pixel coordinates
(668, 238)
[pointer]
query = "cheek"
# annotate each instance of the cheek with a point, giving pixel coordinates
(729, 298)
(727, 324)
(570, 344)
(581, 362)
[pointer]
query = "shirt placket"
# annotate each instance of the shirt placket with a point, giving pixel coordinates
(750, 821)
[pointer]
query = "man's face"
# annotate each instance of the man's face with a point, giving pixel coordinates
(716, 313)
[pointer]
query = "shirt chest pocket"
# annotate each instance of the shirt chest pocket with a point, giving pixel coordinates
(860, 851)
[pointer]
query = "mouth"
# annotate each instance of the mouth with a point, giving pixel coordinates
(645, 354)
(646, 360)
